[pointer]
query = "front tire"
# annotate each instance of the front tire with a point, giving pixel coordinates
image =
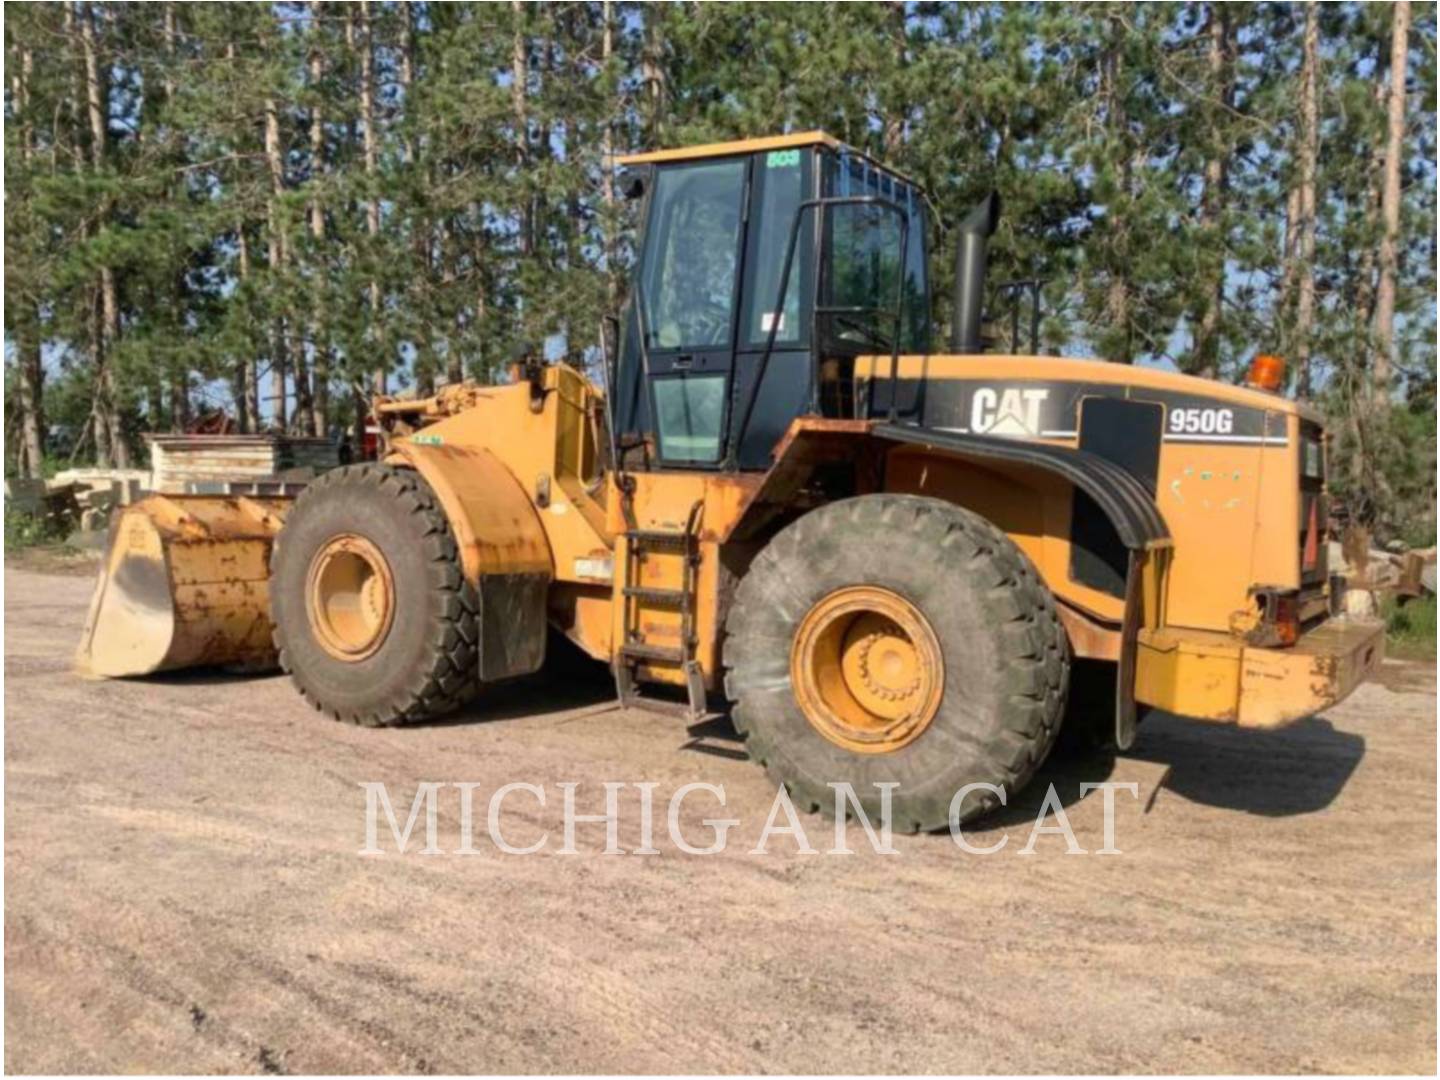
(832, 666)
(373, 619)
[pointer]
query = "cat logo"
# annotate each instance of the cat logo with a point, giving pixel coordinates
(1011, 411)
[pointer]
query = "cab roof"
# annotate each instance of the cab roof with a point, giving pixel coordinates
(738, 146)
(750, 146)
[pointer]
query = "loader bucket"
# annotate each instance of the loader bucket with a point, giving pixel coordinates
(185, 583)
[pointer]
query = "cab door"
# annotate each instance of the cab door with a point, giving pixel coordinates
(688, 304)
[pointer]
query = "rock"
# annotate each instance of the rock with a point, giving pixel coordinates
(26, 496)
(99, 498)
(1383, 571)
(130, 489)
(1335, 556)
(1360, 604)
(94, 519)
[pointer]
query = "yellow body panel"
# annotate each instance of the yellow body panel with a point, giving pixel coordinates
(495, 526)
(523, 488)
(1233, 510)
(1212, 676)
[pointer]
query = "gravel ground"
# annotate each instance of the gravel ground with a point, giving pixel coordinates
(184, 894)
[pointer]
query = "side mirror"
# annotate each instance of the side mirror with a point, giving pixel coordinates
(633, 182)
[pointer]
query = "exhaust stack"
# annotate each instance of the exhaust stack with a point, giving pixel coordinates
(971, 255)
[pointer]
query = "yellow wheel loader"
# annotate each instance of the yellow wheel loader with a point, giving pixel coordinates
(891, 560)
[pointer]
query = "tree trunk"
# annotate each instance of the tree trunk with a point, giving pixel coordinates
(30, 370)
(652, 72)
(424, 365)
(1309, 148)
(249, 371)
(112, 448)
(32, 384)
(610, 214)
(372, 160)
(1289, 264)
(519, 107)
(319, 332)
(1213, 202)
(1117, 292)
(277, 250)
(1390, 205)
(177, 376)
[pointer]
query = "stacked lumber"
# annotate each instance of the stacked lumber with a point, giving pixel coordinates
(184, 464)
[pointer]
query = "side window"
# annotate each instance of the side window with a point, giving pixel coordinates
(691, 414)
(780, 188)
(862, 272)
(863, 266)
(691, 255)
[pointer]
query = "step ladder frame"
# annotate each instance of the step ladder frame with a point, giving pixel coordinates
(634, 650)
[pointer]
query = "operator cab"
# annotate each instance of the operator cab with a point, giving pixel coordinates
(724, 228)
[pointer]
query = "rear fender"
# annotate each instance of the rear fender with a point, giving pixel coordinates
(503, 550)
(1027, 489)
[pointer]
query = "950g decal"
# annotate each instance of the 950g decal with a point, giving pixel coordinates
(1201, 421)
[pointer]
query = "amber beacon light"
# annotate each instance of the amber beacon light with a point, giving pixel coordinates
(1267, 372)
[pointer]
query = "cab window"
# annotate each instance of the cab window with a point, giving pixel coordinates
(781, 185)
(691, 256)
(691, 413)
(862, 267)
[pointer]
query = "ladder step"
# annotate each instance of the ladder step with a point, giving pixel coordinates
(673, 598)
(653, 538)
(665, 654)
(678, 709)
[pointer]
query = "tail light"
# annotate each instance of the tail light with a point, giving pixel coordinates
(1279, 619)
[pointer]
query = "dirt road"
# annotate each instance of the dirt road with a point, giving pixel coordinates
(184, 893)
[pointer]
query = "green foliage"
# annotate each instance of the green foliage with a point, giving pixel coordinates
(23, 530)
(481, 214)
(1410, 627)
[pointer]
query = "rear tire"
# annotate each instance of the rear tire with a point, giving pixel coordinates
(1005, 656)
(421, 659)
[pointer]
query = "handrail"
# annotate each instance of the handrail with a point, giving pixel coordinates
(606, 384)
(737, 431)
(642, 384)
(1013, 289)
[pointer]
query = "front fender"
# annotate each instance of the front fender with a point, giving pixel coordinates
(503, 550)
(495, 524)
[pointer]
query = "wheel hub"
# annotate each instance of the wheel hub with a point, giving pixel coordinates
(350, 597)
(867, 670)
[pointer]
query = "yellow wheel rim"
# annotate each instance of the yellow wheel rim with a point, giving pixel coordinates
(867, 670)
(350, 597)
